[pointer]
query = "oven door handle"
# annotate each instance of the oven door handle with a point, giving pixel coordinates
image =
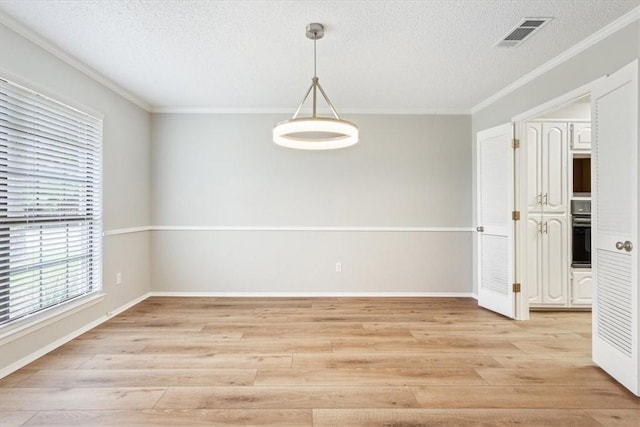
(581, 225)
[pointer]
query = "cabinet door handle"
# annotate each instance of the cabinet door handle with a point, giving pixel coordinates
(546, 199)
(571, 135)
(546, 227)
(539, 199)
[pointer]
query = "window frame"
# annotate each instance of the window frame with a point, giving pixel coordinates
(94, 221)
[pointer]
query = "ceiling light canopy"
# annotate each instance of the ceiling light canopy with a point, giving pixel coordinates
(315, 133)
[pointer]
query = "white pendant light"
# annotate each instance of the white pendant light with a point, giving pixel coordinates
(315, 133)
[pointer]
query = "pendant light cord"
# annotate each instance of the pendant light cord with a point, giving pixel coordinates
(315, 74)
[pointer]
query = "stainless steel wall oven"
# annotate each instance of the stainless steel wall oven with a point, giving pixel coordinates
(581, 233)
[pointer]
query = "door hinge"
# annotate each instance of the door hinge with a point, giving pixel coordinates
(515, 215)
(515, 143)
(516, 288)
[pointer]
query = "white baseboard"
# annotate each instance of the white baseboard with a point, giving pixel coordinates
(65, 339)
(474, 296)
(314, 294)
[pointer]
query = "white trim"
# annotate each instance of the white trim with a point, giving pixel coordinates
(65, 339)
(523, 306)
(117, 231)
(557, 102)
(292, 228)
(314, 294)
(53, 96)
(289, 111)
(596, 37)
(37, 321)
(70, 60)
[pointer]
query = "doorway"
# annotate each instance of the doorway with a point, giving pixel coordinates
(556, 175)
(614, 101)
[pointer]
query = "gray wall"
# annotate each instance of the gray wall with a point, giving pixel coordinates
(223, 170)
(601, 59)
(126, 177)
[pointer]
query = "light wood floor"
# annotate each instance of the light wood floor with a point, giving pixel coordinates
(321, 362)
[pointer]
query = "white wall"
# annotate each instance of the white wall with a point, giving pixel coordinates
(604, 57)
(224, 171)
(126, 177)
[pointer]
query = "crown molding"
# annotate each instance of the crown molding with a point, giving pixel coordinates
(289, 111)
(40, 41)
(596, 37)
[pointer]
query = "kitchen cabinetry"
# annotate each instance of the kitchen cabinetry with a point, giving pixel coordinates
(580, 134)
(551, 145)
(547, 267)
(581, 287)
(547, 154)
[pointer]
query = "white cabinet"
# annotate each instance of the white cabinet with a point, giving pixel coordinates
(547, 160)
(580, 134)
(533, 263)
(550, 145)
(581, 288)
(547, 266)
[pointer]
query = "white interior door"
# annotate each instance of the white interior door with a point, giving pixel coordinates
(615, 226)
(495, 166)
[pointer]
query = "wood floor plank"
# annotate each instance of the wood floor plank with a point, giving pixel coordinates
(154, 336)
(531, 396)
(139, 378)
(616, 417)
(555, 346)
(100, 346)
(197, 417)
(57, 360)
(467, 344)
(16, 377)
(244, 346)
(544, 361)
(187, 361)
(367, 376)
(15, 418)
(296, 397)
(457, 417)
(393, 360)
(48, 399)
(585, 376)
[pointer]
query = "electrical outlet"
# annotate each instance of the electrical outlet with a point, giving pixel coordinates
(118, 278)
(338, 267)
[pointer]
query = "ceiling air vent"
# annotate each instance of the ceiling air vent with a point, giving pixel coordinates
(521, 32)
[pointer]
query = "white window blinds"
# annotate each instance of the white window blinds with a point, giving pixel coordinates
(50, 202)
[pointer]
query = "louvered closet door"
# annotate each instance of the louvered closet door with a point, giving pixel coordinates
(495, 203)
(615, 226)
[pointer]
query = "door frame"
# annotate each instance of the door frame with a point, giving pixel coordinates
(520, 120)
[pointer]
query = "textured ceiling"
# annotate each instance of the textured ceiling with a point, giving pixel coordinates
(407, 56)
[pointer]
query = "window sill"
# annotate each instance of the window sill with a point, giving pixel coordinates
(47, 317)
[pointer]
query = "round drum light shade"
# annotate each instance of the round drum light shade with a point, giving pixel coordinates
(315, 133)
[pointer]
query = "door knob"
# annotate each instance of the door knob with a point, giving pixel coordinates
(480, 229)
(627, 246)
